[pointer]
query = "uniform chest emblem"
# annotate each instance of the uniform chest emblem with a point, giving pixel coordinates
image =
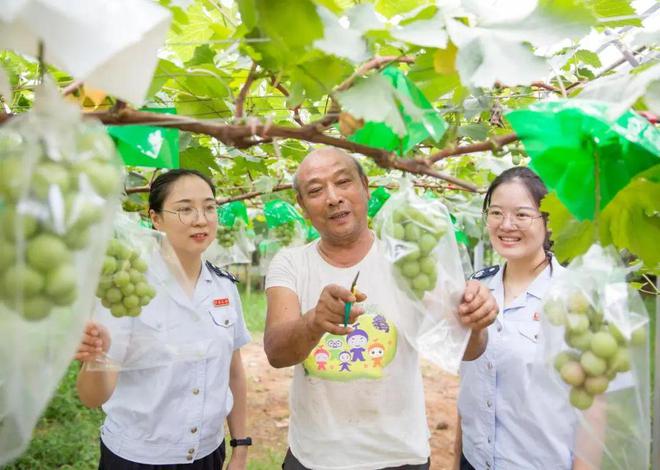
(223, 302)
(536, 316)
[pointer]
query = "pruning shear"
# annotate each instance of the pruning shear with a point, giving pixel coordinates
(347, 307)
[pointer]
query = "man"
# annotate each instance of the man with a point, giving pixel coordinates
(353, 413)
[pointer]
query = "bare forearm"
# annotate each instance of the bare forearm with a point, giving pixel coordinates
(476, 345)
(95, 387)
(289, 343)
(237, 419)
(458, 444)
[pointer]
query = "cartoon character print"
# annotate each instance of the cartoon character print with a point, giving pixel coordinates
(335, 345)
(321, 357)
(365, 353)
(376, 352)
(357, 340)
(344, 358)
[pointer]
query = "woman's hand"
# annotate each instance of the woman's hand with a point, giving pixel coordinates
(238, 459)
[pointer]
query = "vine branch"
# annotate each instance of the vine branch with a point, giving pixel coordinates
(240, 100)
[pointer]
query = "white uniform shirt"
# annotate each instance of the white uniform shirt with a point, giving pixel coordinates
(175, 413)
(357, 402)
(511, 420)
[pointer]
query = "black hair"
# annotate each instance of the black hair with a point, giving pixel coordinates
(160, 188)
(536, 189)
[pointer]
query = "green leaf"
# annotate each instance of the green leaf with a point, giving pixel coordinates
(633, 217)
(614, 13)
(340, 41)
(425, 32)
(571, 238)
(203, 55)
(248, 11)
(389, 8)
(320, 74)
(363, 18)
(277, 16)
(487, 59)
(200, 159)
(372, 99)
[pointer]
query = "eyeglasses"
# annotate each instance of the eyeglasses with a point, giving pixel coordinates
(189, 215)
(522, 219)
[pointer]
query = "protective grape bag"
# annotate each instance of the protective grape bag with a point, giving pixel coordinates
(421, 248)
(286, 227)
(594, 346)
(233, 245)
(140, 276)
(60, 179)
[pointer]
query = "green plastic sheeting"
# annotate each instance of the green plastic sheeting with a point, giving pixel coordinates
(376, 201)
(427, 123)
(278, 212)
(229, 212)
(147, 146)
(564, 139)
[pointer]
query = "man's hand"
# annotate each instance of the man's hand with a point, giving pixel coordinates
(478, 308)
(94, 343)
(328, 315)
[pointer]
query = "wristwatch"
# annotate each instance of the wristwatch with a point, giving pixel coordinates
(241, 442)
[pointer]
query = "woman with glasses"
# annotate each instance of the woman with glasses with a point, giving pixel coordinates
(509, 417)
(173, 414)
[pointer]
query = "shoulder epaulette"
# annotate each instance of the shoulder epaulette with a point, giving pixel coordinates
(221, 272)
(486, 272)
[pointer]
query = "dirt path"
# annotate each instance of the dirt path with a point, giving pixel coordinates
(268, 405)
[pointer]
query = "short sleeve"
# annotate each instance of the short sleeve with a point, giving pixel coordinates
(282, 271)
(241, 334)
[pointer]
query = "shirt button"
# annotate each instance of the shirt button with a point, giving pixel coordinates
(189, 457)
(499, 328)
(487, 464)
(489, 403)
(191, 451)
(490, 365)
(193, 430)
(226, 322)
(489, 441)
(195, 391)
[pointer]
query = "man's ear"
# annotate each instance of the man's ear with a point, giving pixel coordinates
(302, 206)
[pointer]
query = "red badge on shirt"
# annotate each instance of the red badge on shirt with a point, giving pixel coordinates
(536, 316)
(224, 302)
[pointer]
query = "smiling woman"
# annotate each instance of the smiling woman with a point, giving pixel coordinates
(184, 422)
(502, 377)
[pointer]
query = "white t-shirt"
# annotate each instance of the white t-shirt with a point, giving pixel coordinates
(357, 401)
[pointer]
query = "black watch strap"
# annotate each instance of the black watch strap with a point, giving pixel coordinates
(241, 442)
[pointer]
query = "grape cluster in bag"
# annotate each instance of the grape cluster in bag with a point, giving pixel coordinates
(60, 179)
(123, 287)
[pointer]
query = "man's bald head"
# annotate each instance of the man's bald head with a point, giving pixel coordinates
(324, 153)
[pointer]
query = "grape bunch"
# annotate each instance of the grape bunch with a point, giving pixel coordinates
(284, 233)
(228, 236)
(123, 287)
(417, 235)
(51, 199)
(599, 351)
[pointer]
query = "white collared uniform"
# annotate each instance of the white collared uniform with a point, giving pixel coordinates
(175, 413)
(508, 420)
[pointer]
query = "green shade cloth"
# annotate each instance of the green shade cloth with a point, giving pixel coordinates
(563, 137)
(147, 146)
(429, 123)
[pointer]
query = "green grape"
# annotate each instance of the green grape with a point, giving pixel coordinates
(123, 287)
